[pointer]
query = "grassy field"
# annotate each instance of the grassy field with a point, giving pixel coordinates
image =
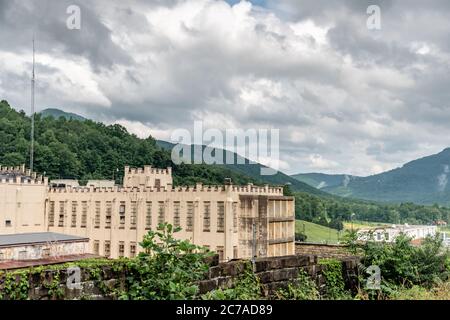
(320, 234)
(362, 224)
(317, 233)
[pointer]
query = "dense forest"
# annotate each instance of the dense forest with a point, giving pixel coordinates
(331, 211)
(91, 150)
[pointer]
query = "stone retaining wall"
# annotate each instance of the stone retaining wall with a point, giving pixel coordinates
(274, 273)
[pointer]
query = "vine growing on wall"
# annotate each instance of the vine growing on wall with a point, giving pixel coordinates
(334, 280)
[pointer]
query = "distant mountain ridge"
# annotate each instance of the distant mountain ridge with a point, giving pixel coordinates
(322, 180)
(57, 113)
(244, 166)
(422, 181)
(247, 168)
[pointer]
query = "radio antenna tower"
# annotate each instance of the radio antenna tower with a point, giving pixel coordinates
(33, 81)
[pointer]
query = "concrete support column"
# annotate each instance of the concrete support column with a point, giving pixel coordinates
(229, 229)
(197, 225)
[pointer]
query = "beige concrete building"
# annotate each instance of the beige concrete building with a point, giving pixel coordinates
(22, 201)
(235, 221)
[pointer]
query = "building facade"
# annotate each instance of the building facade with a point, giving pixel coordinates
(234, 221)
(390, 233)
(41, 245)
(22, 201)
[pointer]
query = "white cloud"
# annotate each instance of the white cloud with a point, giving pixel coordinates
(344, 99)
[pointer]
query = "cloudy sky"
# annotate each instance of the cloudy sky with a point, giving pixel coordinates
(345, 98)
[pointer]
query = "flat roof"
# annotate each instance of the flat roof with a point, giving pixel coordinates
(38, 237)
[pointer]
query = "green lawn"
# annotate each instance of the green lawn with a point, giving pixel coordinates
(317, 233)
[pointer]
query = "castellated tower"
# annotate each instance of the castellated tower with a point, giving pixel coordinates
(22, 200)
(148, 177)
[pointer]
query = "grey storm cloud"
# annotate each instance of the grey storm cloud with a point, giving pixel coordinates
(47, 20)
(347, 99)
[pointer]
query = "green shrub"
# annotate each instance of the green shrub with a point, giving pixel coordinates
(334, 280)
(167, 270)
(303, 288)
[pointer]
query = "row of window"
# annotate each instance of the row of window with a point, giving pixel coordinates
(161, 215)
(121, 249)
(133, 250)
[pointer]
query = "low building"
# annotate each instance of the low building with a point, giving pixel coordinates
(42, 245)
(390, 233)
(101, 183)
(64, 183)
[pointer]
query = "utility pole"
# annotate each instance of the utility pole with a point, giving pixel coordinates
(33, 82)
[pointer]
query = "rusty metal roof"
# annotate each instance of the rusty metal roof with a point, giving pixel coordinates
(36, 238)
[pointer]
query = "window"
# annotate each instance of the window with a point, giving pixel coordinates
(386, 236)
(157, 183)
(8, 223)
(122, 215)
(220, 216)
(206, 217)
(84, 208)
(62, 208)
(121, 249)
(51, 214)
(107, 249)
(132, 249)
(97, 214)
(133, 217)
(378, 236)
(96, 247)
(220, 252)
(176, 214)
(235, 217)
(161, 213)
(73, 223)
(108, 215)
(148, 215)
(235, 252)
(2, 256)
(190, 217)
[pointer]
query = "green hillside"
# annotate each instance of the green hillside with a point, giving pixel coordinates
(56, 113)
(316, 233)
(250, 169)
(90, 150)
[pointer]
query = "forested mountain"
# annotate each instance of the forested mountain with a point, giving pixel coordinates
(322, 180)
(91, 150)
(241, 165)
(56, 113)
(422, 181)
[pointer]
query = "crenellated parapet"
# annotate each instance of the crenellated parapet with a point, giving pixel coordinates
(248, 189)
(147, 170)
(21, 175)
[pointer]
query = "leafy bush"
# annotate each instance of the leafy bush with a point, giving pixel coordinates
(401, 263)
(334, 280)
(167, 270)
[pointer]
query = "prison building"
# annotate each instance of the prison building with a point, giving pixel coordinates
(235, 221)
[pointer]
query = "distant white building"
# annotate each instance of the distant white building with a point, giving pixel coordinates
(390, 233)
